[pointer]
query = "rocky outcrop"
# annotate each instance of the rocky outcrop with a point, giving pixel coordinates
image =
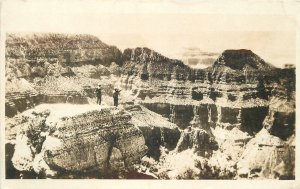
(267, 156)
(104, 140)
(157, 130)
(198, 139)
(198, 136)
(280, 120)
(240, 59)
(148, 65)
(19, 102)
(110, 134)
(271, 153)
(242, 66)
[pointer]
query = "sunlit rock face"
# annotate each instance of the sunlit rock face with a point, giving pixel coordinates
(271, 153)
(267, 156)
(93, 144)
(94, 139)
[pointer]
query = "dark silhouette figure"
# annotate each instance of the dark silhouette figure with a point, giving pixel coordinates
(116, 97)
(98, 94)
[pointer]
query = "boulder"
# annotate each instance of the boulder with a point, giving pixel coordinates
(104, 140)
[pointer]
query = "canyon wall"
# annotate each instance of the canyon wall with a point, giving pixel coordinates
(240, 107)
(248, 104)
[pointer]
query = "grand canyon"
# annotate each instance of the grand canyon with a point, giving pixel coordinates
(234, 119)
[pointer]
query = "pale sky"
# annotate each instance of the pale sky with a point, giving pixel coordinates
(168, 27)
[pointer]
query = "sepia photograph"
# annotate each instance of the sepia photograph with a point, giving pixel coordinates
(134, 90)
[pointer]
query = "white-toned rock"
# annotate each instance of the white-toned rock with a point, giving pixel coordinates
(23, 156)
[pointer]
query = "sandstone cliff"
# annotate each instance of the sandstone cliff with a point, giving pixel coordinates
(226, 118)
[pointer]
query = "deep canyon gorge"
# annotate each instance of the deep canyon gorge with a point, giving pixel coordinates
(234, 119)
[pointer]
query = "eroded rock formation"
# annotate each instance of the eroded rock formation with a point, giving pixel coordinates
(233, 119)
(99, 139)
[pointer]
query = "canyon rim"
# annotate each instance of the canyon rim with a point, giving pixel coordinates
(234, 119)
(151, 94)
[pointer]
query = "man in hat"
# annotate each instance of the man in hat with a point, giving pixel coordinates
(116, 96)
(98, 94)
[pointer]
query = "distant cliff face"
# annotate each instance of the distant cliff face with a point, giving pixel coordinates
(65, 48)
(40, 55)
(149, 64)
(242, 59)
(236, 76)
(242, 66)
(240, 98)
(236, 99)
(197, 58)
(36, 55)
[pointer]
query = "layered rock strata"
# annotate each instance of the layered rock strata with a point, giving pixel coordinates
(100, 139)
(241, 102)
(157, 130)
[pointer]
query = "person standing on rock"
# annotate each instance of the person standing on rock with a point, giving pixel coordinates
(98, 94)
(116, 97)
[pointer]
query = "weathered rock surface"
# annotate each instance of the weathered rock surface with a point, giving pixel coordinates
(240, 59)
(99, 139)
(280, 120)
(267, 156)
(23, 157)
(199, 140)
(271, 153)
(241, 102)
(93, 144)
(157, 130)
(69, 49)
(148, 64)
